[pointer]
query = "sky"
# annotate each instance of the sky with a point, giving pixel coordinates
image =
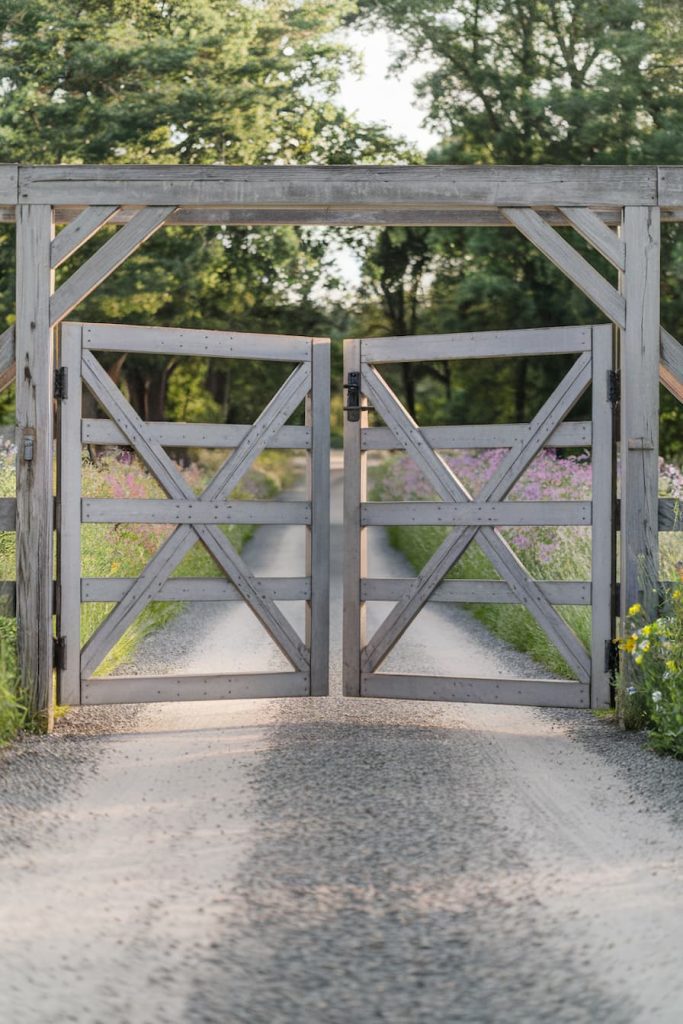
(378, 97)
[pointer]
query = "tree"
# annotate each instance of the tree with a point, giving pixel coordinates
(189, 81)
(525, 81)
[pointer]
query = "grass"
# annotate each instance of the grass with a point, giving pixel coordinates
(122, 550)
(548, 553)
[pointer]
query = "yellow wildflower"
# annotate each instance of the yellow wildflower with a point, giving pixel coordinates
(634, 609)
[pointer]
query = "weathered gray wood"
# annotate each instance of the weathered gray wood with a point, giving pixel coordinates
(105, 261)
(477, 345)
(469, 216)
(640, 411)
(474, 513)
(181, 341)
(199, 435)
(493, 545)
(7, 358)
(594, 230)
(437, 186)
(575, 592)
(164, 510)
(603, 548)
(74, 235)
(670, 514)
(570, 262)
(172, 551)
(69, 518)
(671, 364)
(279, 588)
(551, 693)
(670, 185)
(318, 535)
(34, 524)
(489, 435)
(136, 689)
(9, 183)
(8, 598)
(355, 536)
(8, 513)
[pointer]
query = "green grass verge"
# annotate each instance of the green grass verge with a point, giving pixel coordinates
(511, 622)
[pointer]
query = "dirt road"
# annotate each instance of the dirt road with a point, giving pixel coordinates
(338, 862)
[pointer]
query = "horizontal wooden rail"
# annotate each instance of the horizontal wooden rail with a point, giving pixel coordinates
(477, 345)
(285, 588)
(181, 341)
(8, 514)
(172, 511)
(193, 435)
(490, 435)
(551, 693)
(476, 513)
(134, 689)
(574, 592)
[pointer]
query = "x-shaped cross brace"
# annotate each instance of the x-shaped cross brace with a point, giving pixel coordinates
(497, 550)
(161, 565)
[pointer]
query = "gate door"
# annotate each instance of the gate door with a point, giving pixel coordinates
(477, 520)
(192, 517)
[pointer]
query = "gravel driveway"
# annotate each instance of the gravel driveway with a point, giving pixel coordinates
(328, 861)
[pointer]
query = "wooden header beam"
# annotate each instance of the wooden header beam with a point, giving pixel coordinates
(425, 186)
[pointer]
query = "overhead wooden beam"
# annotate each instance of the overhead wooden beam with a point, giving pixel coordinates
(9, 183)
(355, 187)
(670, 185)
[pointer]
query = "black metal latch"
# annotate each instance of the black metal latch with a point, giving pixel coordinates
(59, 652)
(352, 388)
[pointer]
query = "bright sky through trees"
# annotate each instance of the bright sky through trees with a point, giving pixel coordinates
(379, 96)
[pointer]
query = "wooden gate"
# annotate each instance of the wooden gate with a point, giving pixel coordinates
(478, 520)
(194, 518)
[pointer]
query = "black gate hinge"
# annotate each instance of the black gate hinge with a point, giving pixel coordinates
(61, 383)
(59, 652)
(613, 386)
(612, 657)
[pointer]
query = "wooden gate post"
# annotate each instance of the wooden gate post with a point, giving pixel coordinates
(34, 539)
(639, 358)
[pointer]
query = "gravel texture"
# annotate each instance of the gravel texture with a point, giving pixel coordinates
(329, 861)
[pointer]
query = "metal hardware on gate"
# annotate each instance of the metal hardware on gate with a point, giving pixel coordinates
(613, 386)
(611, 657)
(59, 652)
(352, 388)
(61, 383)
(28, 447)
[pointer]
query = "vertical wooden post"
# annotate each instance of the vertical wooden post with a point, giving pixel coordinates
(35, 382)
(639, 358)
(355, 535)
(318, 534)
(69, 517)
(603, 525)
